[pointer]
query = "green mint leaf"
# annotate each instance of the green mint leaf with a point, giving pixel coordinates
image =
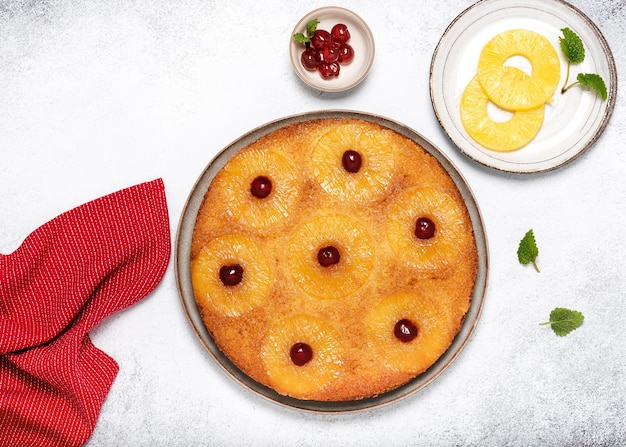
(593, 81)
(563, 321)
(572, 46)
(311, 27)
(527, 251)
(301, 38)
(574, 51)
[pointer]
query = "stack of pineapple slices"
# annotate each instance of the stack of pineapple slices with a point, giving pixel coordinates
(522, 95)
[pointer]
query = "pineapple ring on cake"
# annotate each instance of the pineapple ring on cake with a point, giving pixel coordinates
(236, 181)
(406, 350)
(433, 211)
(218, 263)
(502, 136)
(301, 377)
(354, 162)
(310, 247)
(503, 85)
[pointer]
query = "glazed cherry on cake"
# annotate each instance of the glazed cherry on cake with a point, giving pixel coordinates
(261, 187)
(351, 161)
(424, 228)
(328, 256)
(300, 353)
(405, 330)
(231, 275)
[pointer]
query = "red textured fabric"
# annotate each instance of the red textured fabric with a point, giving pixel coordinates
(66, 277)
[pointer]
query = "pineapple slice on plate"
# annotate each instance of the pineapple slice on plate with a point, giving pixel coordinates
(231, 275)
(259, 188)
(354, 162)
(426, 229)
(408, 332)
(330, 256)
(503, 136)
(504, 86)
(301, 355)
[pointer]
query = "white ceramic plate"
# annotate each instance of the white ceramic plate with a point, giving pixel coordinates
(185, 287)
(361, 40)
(573, 122)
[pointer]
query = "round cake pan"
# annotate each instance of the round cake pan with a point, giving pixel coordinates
(185, 288)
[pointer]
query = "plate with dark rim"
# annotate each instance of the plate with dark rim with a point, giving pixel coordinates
(573, 121)
(185, 288)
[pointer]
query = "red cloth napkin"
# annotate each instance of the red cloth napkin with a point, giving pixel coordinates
(66, 277)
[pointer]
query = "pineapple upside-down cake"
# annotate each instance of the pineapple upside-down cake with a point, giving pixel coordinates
(333, 259)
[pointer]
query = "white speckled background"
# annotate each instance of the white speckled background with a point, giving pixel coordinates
(96, 96)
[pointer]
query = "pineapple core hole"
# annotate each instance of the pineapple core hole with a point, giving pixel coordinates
(498, 114)
(520, 62)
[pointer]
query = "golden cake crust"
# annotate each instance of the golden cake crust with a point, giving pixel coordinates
(348, 309)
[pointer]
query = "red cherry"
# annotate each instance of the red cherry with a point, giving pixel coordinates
(340, 33)
(328, 256)
(329, 70)
(261, 187)
(231, 275)
(319, 39)
(351, 161)
(424, 228)
(310, 59)
(301, 353)
(329, 54)
(405, 330)
(346, 54)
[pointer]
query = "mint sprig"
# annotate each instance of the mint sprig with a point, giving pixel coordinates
(527, 251)
(593, 81)
(563, 321)
(574, 51)
(572, 46)
(301, 38)
(311, 26)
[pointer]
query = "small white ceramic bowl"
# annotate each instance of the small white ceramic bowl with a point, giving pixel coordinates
(361, 40)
